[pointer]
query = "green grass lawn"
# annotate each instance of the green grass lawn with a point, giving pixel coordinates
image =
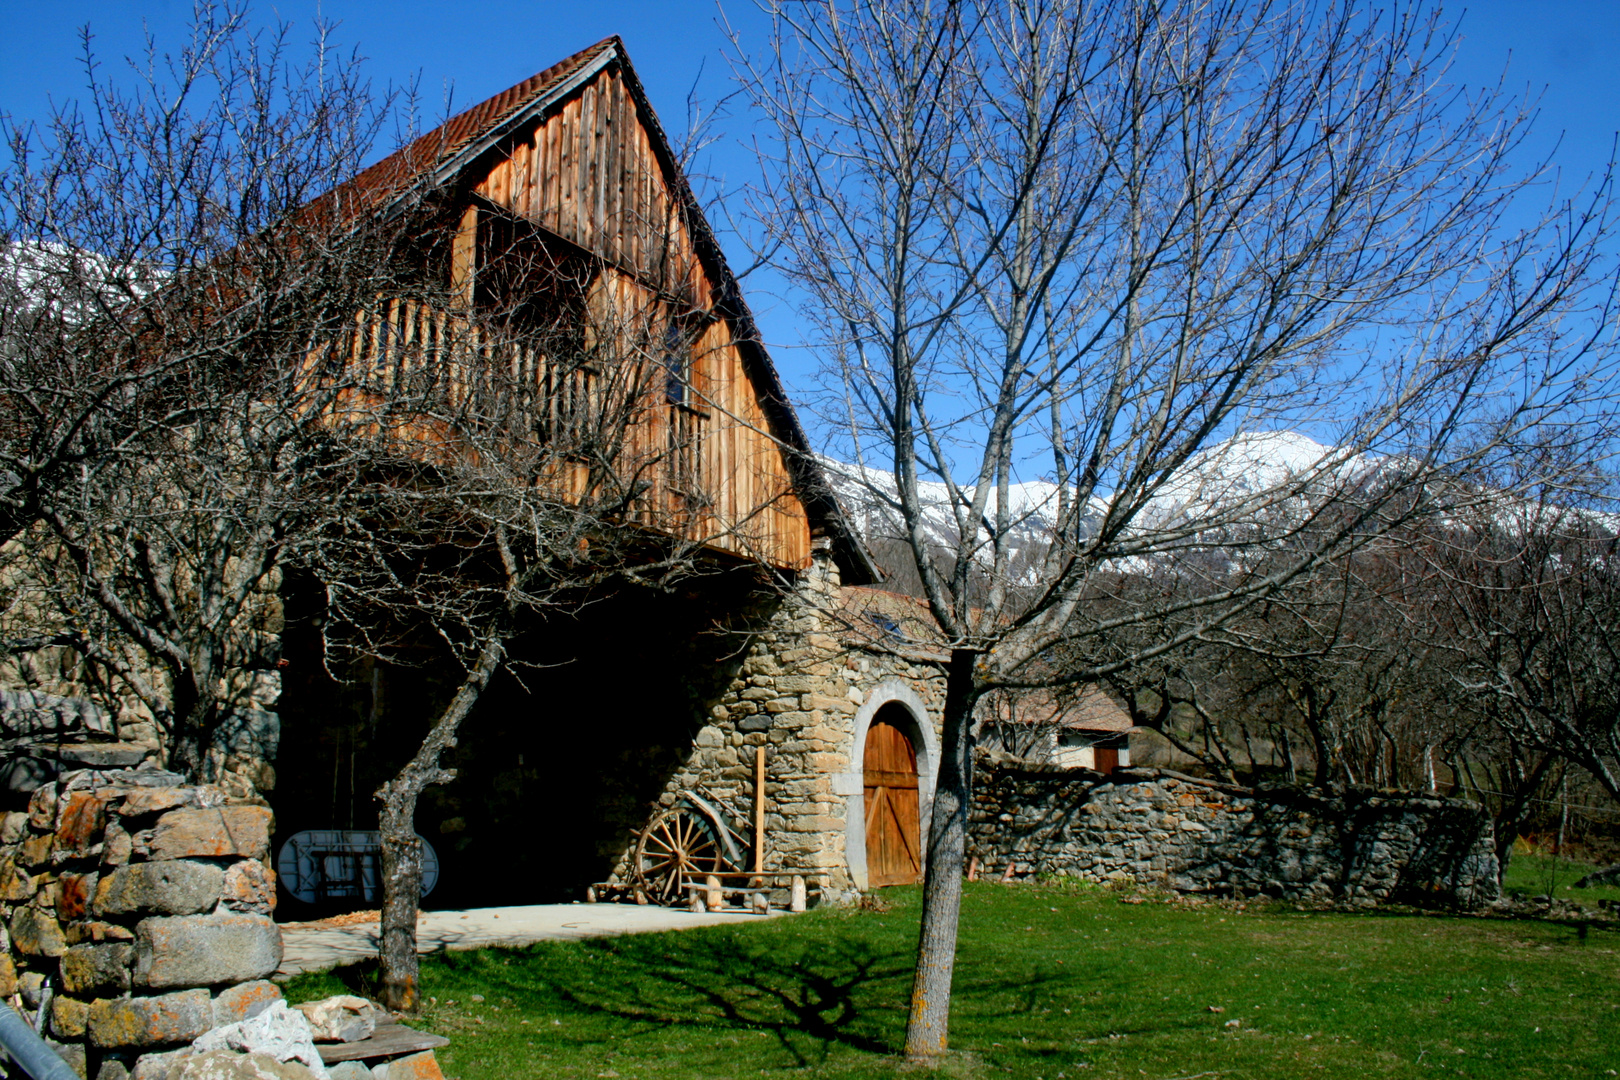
(1056, 983)
(1543, 875)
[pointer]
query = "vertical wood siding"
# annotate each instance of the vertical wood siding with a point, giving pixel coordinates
(588, 174)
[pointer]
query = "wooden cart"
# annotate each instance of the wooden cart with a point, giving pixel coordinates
(696, 853)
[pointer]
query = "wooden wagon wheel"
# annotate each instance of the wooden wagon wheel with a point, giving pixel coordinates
(678, 847)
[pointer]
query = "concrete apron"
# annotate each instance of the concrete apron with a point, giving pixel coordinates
(321, 950)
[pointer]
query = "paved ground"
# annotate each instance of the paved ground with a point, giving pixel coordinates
(309, 949)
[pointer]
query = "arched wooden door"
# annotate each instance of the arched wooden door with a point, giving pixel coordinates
(893, 840)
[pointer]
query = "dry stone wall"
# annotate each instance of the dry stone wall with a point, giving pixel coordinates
(1156, 827)
(135, 914)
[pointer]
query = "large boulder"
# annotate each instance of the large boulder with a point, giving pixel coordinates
(205, 950)
(171, 887)
(1607, 876)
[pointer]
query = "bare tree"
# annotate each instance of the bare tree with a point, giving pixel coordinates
(167, 275)
(515, 469)
(1115, 248)
(1525, 606)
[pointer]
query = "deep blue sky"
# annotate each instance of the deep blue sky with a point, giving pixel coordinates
(1566, 51)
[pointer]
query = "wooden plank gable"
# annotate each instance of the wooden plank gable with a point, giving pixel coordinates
(588, 171)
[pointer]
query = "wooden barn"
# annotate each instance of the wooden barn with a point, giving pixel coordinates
(770, 717)
(723, 726)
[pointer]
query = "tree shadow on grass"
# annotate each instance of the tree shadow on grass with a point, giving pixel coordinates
(813, 992)
(834, 993)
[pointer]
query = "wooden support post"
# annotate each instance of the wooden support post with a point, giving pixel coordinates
(973, 868)
(759, 809)
(463, 258)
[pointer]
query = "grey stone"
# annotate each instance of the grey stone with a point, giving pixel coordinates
(169, 887)
(249, 733)
(224, 1065)
(760, 722)
(97, 970)
(205, 950)
(31, 985)
(157, 1066)
(149, 777)
(244, 1001)
(72, 1053)
(343, 1018)
(105, 755)
(37, 933)
(150, 1021)
(349, 1070)
(113, 1068)
(33, 712)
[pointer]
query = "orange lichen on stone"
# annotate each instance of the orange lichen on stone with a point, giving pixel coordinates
(211, 834)
(423, 1066)
(79, 821)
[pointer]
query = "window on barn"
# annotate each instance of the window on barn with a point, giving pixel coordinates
(677, 363)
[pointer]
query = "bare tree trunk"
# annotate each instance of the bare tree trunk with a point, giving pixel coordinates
(402, 850)
(926, 1032)
(402, 888)
(196, 715)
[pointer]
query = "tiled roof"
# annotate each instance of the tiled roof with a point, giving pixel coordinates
(373, 185)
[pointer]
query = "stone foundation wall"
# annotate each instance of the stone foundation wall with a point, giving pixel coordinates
(804, 678)
(135, 914)
(1160, 828)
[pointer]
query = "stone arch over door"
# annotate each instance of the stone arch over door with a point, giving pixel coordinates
(911, 716)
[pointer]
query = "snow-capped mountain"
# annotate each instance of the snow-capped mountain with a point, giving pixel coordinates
(1246, 473)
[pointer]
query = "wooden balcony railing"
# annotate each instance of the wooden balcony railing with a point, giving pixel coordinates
(407, 349)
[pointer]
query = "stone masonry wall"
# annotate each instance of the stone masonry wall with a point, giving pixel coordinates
(135, 914)
(802, 681)
(1161, 828)
(59, 713)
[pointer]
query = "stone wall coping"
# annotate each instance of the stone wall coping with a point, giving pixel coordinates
(1302, 793)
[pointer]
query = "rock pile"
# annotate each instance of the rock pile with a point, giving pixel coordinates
(1156, 827)
(135, 914)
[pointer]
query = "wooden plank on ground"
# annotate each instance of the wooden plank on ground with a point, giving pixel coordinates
(387, 1041)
